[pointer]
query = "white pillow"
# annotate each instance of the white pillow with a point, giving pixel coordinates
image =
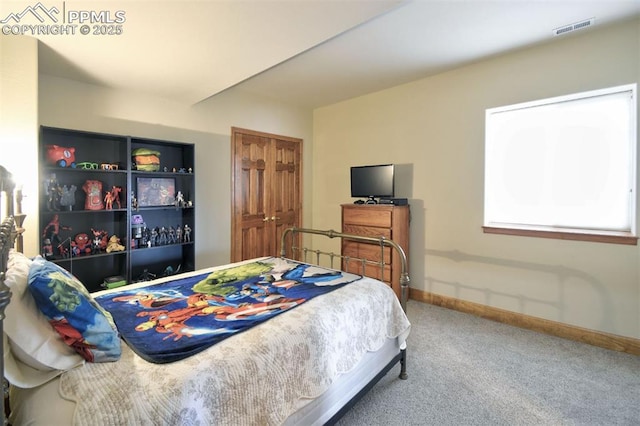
(36, 352)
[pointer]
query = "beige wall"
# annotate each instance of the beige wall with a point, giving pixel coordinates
(434, 130)
(19, 120)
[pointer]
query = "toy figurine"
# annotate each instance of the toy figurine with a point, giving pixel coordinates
(80, 245)
(134, 201)
(162, 236)
(111, 196)
(146, 276)
(153, 238)
(99, 241)
(68, 197)
(178, 234)
(168, 271)
(53, 191)
(108, 200)
(187, 234)
(51, 232)
(93, 189)
(114, 244)
(171, 237)
(179, 202)
(47, 249)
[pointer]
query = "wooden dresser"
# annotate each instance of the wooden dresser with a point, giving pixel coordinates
(375, 220)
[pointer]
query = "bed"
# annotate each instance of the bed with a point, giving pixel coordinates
(304, 365)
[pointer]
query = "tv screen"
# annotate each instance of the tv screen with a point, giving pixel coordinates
(372, 181)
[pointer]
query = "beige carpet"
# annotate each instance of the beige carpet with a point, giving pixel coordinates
(464, 370)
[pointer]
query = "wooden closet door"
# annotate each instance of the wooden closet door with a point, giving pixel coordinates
(266, 192)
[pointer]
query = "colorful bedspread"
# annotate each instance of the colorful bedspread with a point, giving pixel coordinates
(173, 320)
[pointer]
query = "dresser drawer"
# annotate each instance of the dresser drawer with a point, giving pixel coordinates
(366, 251)
(367, 231)
(368, 216)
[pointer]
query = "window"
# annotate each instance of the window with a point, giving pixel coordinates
(563, 167)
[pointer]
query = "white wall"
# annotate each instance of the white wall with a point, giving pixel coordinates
(70, 104)
(434, 129)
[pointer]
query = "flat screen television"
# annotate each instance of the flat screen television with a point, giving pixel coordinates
(372, 181)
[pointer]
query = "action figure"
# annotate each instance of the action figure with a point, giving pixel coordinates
(111, 196)
(162, 236)
(47, 249)
(52, 232)
(153, 239)
(187, 234)
(134, 201)
(146, 276)
(99, 241)
(54, 192)
(179, 200)
(171, 237)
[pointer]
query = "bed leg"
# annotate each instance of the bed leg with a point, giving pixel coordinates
(403, 364)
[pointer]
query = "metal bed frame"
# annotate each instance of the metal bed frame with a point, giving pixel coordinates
(10, 237)
(401, 357)
(381, 241)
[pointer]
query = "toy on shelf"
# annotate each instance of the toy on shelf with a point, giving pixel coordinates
(114, 244)
(134, 201)
(113, 196)
(109, 166)
(146, 160)
(145, 276)
(47, 249)
(81, 244)
(51, 232)
(53, 191)
(61, 156)
(93, 189)
(114, 282)
(68, 197)
(179, 202)
(99, 242)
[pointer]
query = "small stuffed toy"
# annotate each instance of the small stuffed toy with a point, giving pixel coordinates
(114, 244)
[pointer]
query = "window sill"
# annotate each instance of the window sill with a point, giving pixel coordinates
(565, 234)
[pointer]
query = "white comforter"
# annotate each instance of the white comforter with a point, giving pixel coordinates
(260, 376)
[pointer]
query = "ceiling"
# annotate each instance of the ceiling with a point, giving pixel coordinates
(304, 52)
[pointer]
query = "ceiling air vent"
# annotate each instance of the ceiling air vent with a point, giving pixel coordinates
(573, 27)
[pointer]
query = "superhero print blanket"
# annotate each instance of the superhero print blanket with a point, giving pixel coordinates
(168, 321)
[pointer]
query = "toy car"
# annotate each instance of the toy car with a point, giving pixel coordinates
(61, 156)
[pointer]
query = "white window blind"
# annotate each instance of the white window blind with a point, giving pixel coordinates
(566, 162)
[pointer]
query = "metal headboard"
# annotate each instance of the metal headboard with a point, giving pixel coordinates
(383, 242)
(9, 234)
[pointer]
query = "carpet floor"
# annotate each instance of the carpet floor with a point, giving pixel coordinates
(465, 370)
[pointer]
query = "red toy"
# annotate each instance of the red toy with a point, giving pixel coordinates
(51, 232)
(61, 156)
(93, 189)
(113, 196)
(81, 245)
